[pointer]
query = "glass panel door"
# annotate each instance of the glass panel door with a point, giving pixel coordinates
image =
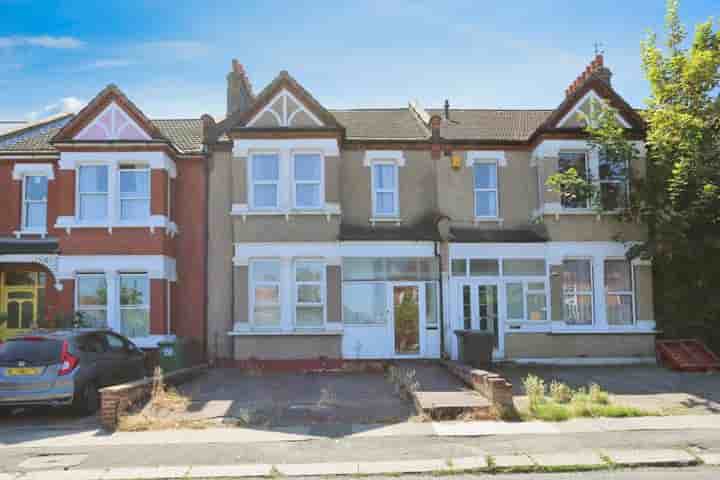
(406, 309)
(488, 309)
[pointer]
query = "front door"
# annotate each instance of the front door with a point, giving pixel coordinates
(408, 313)
(479, 309)
(20, 295)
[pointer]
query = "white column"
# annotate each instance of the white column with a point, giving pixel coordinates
(113, 299)
(287, 290)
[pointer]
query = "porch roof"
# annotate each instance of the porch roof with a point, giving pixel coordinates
(14, 246)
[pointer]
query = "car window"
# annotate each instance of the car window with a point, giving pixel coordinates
(115, 343)
(34, 351)
(94, 344)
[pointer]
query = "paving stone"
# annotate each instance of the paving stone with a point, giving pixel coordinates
(6, 476)
(229, 471)
(146, 473)
(89, 474)
(710, 458)
(49, 462)
(403, 466)
(317, 469)
(468, 463)
(513, 461)
(581, 457)
(634, 458)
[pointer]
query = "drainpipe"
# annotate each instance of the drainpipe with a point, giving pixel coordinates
(441, 301)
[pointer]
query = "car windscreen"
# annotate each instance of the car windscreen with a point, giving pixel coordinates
(36, 351)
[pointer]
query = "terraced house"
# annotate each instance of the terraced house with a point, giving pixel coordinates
(381, 233)
(103, 221)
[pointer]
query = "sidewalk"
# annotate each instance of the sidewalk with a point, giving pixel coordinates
(24, 438)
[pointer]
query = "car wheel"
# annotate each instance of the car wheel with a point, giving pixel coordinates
(87, 400)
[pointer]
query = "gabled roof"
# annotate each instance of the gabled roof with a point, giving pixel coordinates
(108, 95)
(283, 81)
(34, 136)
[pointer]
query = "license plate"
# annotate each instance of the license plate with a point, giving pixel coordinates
(22, 372)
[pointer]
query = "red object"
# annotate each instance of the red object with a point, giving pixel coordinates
(69, 362)
(687, 355)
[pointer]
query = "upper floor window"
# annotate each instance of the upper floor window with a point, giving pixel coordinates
(577, 285)
(134, 193)
(307, 173)
(486, 189)
(385, 190)
(35, 196)
(93, 192)
(613, 178)
(265, 175)
(578, 161)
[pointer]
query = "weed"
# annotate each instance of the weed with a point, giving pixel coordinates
(560, 392)
(535, 390)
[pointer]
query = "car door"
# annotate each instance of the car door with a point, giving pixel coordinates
(117, 358)
(97, 350)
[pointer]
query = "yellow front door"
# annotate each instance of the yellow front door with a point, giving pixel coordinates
(19, 295)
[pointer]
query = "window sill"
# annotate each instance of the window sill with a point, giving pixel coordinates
(153, 222)
(557, 210)
(488, 220)
(279, 333)
(244, 211)
(395, 220)
(24, 233)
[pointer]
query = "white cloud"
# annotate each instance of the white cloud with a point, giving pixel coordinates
(64, 105)
(44, 41)
(107, 63)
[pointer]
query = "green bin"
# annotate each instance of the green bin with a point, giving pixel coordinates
(171, 355)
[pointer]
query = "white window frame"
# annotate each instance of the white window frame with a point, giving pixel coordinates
(139, 168)
(323, 293)
(395, 190)
(320, 182)
(576, 294)
(588, 175)
(94, 308)
(252, 182)
(495, 190)
(254, 284)
(526, 290)
(107, 195)
(143, 306)
(630, 293)
(25, 203)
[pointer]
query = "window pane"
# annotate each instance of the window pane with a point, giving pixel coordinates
(515, 301)
(267, 294)
(265, 195)
(307, 195)
(431, 305)
(576, 160)
(537, 310)
(309, 294)
(536, 286)
(134, 290)
(613, 195)
(309, 316)
(483, 267)
(309, 271)
(94, 179)
(577, 275)
(307, 167)
(617, 276)
(266, 271)
(402, 268)
(384, 176)
(467, 307)
(36, 188)
(459, 267)
(364, 303)
(266, 316)
(134, 183)
(36, 215)
(93, 207)
(485, 204)
(92, 291)
(611, 167)
(524, 267)
(385, 203)
(362, 269)
(134, 209)
(135, 322)
(265, 167)
(619, 309)
(485, 175)
(578, 309)
(20, 278)
(93, 318)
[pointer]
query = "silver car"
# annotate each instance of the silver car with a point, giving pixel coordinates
(65, 367)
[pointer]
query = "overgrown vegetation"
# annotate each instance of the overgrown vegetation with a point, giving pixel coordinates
(565, 403)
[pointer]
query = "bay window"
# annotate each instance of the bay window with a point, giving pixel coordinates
(265, 178)
(134, 193)
(364, 303)
(579, 162)
(35, 197)
(385, 190)
(91, 299)
(309, 294)
(619, 292)
(307, 172)
(486, 189)
(577, 285)
(265, 293)
(526, 301)
(93, 191)
(613, 179)
(134, 305)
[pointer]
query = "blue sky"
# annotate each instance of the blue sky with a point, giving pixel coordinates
(171, 57)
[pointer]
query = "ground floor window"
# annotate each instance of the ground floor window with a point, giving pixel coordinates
(526, 301)
(134, 305)
(577, 285)
(92, 300)
(309, 294)
(265, 293)
(619, 292)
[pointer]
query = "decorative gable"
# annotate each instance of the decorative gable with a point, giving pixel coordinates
(584, 109)
(285, 110)
(113, 123)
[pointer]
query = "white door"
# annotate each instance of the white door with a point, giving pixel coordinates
(407, 310)
(481, 309)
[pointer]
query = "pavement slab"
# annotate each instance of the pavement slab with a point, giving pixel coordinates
(661, 457)
(146, 473)
(229, 471)
(576, 458)
(90, 474)
(710, 458)
(402, 466)
(48, 462)
(318, 469)
(468, 463)
(513, 461)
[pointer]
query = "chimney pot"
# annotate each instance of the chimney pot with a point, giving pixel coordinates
(447, 109)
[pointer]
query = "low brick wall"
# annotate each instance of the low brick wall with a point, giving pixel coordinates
(490, 385)
(116, 400)
(309, 365)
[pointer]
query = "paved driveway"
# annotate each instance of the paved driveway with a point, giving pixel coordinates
(643, 386)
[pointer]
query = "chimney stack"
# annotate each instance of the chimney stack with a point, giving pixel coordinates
(239, 90)
(596, 69)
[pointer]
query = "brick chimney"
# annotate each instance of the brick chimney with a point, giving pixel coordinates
(239, 90)
(596, 69)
